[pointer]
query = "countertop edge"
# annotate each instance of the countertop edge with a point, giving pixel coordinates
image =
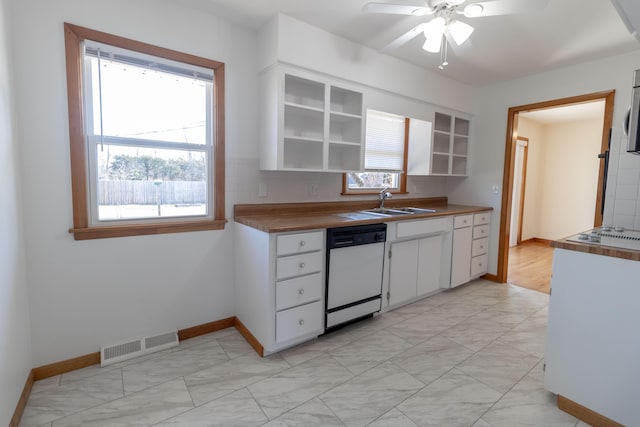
(278, 223)
(609, 251)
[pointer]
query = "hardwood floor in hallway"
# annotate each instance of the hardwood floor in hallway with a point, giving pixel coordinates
(530, 265)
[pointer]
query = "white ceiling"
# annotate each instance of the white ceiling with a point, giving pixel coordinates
(501, 47)
(569, 113)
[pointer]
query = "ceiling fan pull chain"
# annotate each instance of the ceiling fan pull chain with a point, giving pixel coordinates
(443, 54)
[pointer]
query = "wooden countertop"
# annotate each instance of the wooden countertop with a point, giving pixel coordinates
(282, 217)
(623, 253)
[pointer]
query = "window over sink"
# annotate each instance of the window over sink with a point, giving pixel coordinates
(385, 159)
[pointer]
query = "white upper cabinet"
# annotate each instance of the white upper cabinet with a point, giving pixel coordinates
(439, 148)
(309, 123)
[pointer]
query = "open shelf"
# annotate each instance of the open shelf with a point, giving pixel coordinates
(346, 101)
(302, 155)
(344, 157)
(345, 128)
(303, 123)
(304, 92)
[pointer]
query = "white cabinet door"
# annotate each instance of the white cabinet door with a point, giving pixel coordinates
(461, 256)
(429, 257)
(403, 271)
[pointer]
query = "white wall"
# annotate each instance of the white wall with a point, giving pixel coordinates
(562, 177)
(15, 335)
(87, 293)
(491, 104)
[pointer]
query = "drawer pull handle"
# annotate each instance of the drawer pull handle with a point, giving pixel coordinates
(301, 322)
(302, 265)
(301, 291)
(302, 243)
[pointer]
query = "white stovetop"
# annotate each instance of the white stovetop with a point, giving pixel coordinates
(609, 236)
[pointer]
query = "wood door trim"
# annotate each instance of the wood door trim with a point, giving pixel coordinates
(525, 155)
(507, 177)
(22, 402)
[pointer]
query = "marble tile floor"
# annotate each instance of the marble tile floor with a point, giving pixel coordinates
(471, 356)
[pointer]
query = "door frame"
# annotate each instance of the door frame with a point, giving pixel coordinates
(509, 154)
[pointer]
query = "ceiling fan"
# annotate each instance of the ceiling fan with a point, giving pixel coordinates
(444, 27)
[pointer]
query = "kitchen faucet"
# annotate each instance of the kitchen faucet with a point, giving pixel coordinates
(384, 195)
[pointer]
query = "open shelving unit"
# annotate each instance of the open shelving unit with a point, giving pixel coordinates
(450, 145)
(320, 124)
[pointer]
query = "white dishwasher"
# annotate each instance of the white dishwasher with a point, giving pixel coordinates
(355, 257)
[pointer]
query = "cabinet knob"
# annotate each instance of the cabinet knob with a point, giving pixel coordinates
(482, 231)
(302, 243)
(481, 246)
(301, 291)
(301, 322)
(302, 265)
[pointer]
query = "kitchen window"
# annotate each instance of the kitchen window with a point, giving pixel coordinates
(385, 159)
(147, 137)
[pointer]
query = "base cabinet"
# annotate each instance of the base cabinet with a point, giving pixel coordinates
(470, 247)
(592, 348)
(417, 266)
(280, 285)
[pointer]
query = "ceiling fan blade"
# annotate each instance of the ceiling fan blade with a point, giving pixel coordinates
(397, 9)
(418, 29)
(508, 7)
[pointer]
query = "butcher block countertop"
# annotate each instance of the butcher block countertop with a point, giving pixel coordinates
(283, 217)
(596, 249)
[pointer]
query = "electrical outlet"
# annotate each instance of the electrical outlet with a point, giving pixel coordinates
(262, 190)
(314, 189)
(494, 188)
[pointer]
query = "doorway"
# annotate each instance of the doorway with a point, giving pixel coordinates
(511, 214)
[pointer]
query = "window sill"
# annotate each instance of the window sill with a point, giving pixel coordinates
(145, 229)
(369, 192)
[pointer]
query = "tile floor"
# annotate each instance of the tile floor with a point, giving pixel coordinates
(467, 357)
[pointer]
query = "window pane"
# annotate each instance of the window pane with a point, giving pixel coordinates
(135, 182)
(372, 180)
(139, 102)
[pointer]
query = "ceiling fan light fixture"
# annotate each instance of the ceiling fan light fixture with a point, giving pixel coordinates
(454, 2)
(459, 31)
(434, 31)
(472, 10)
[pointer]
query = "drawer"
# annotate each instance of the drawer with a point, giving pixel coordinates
(479, 265)
(480, 231)
(480, 246)
(299, 321)
(423, 226)
(481, 218)
(298, 265)
(298, 291)
(462, 221)
(289, 244)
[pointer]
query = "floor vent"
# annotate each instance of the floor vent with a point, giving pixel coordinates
(134, 348)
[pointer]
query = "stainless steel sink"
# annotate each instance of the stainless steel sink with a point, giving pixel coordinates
(387, 211)
(398, 211)
(416, 210)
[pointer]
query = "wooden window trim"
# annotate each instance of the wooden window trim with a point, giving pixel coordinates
(82, 230)
(403, 175)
